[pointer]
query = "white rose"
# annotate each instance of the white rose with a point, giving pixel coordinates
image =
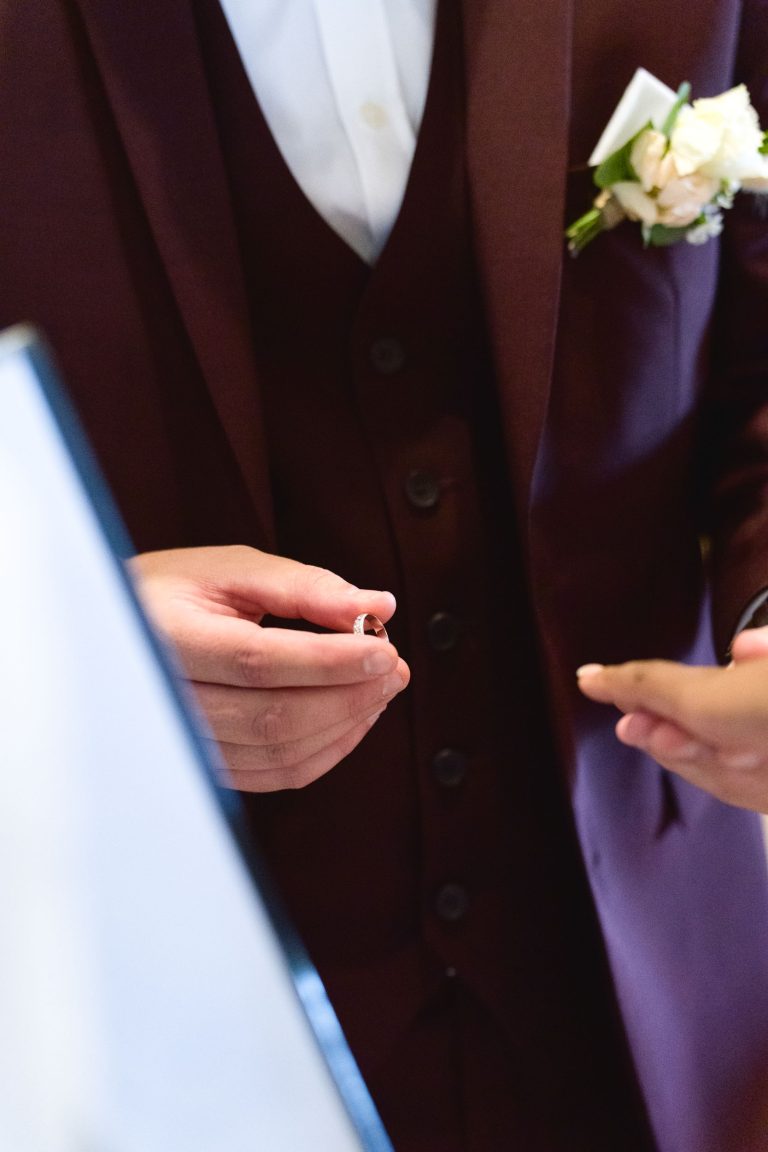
(757, 179)
(719, 136)
(695, 140)
(682, 201)
(654, 165)
(637, 204)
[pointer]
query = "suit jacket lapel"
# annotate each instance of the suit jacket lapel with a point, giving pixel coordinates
(150, 63)
(518, 80)
(518, 86)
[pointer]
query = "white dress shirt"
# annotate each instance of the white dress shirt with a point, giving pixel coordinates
(342, 85)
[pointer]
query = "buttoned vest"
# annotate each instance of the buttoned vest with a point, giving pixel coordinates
(434, 874)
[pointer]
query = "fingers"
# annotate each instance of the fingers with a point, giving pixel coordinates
(285, 738)
(658, 686)
(268, 719)
(289, 766)
(708, 725)
(722, 707)
(738, 777)
(661, 739)
(675, 747)
(751, 644)
(227, 650)
(303, 592)
(206, 601)
(285, 705)
(254, 583)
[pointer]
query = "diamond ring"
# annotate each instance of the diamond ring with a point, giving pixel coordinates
(366, 624)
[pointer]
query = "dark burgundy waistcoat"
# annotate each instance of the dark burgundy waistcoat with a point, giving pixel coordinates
(434, 875)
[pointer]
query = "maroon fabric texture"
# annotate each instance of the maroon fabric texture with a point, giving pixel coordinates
(365, 888)
(185, 320)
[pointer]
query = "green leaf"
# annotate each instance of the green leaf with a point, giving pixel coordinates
(683, 94)
(660, 236)
(763, 149)
(617, 168)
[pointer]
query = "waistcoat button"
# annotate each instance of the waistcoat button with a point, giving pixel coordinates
(387, 355)
(451, 903)
(443, 631)
(422, 490)
(450, 767)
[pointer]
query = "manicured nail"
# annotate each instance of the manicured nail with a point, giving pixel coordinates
(589, 670)
(377, 663)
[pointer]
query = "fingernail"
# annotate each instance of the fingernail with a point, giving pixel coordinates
(589, 670)
(377, 663)
(393, 684)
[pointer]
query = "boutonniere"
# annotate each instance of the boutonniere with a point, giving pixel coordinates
(672, 166)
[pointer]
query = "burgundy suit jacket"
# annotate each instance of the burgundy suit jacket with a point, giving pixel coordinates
(633, 386)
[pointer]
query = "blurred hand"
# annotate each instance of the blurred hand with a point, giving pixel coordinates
(710, 725)
(751, 644)
(285, 706)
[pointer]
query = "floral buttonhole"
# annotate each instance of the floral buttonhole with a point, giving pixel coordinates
(672, 166)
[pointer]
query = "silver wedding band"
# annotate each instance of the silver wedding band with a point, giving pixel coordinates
(366, 624)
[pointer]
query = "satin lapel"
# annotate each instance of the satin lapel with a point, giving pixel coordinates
(518, 93)
(150, 64)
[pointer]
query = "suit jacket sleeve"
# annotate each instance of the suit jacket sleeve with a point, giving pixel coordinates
(736, 429)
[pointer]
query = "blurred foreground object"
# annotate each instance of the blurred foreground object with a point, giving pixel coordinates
(150, 997)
